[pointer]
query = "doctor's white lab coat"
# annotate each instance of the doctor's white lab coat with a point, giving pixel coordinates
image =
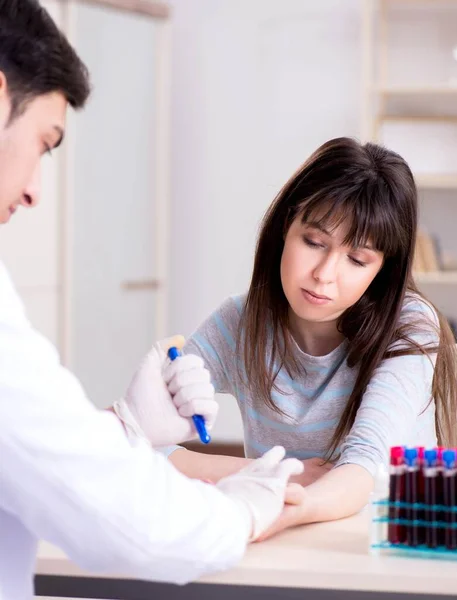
(69, 476)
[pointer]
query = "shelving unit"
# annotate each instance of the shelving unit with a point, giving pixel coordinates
(436, 181)
(437, 102)
(439, 277)
(424, 90)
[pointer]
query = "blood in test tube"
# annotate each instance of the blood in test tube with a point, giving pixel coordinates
(411, 495)
(395, 532)
(440, 514)
(449, 497)
(421, 493)
(430, 472)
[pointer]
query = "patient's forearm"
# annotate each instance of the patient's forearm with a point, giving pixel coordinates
(206, 466)
(340, 493)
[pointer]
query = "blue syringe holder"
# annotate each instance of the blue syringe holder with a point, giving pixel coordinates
(199, 421)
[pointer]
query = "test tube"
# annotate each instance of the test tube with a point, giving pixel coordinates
(421, 493)
(430, 496)
(449, 496)
(440, 514)
(411, 495)
(395, 532)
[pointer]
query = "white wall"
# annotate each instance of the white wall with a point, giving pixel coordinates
(257, 86)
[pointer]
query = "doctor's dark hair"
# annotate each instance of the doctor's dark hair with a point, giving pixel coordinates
(36, 57)
(372, 191)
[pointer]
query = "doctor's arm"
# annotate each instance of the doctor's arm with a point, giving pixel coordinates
(69, 474)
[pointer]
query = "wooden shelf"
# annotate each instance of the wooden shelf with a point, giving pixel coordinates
(415, 104)
(420, 90)
(443, 3)
(436, 181)
(415, 118)
(148, 8)
(444, 277)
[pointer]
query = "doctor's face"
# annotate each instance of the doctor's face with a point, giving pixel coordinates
(23, 142)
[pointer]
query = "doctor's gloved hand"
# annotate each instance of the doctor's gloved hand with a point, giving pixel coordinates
(164, 395)
(261, 487)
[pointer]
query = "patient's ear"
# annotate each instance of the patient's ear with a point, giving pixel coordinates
(287, 222)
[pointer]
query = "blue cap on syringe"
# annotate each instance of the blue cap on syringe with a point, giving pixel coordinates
(198, 420)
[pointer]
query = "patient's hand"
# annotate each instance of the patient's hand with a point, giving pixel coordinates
(314, 469)
(294, 494)
(291, 514)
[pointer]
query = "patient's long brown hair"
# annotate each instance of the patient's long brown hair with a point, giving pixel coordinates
(373, 190)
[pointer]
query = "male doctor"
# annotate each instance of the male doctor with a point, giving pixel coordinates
(70, 474)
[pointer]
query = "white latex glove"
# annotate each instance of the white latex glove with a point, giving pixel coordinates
(261, 487)
(164, 395)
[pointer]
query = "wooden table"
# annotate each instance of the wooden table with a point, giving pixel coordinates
(326, 561)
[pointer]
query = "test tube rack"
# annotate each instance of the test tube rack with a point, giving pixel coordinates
(380, 524)
(418, 516)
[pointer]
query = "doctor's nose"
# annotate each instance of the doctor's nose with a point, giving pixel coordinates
(32, 192)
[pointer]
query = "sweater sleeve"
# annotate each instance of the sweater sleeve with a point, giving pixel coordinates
(215, 341)
(399, 393)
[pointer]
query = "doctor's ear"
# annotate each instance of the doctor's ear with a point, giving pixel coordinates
(3, 84)
(4, 96)
(5, 102)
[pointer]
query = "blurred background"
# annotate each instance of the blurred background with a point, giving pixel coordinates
(201, 110)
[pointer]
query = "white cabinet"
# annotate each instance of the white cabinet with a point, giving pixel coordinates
(90, 261)
(113, 261)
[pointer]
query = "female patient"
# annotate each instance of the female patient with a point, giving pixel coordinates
(333, 352)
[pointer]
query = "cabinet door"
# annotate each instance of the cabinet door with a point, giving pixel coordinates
(29, 244)
(113, 229)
